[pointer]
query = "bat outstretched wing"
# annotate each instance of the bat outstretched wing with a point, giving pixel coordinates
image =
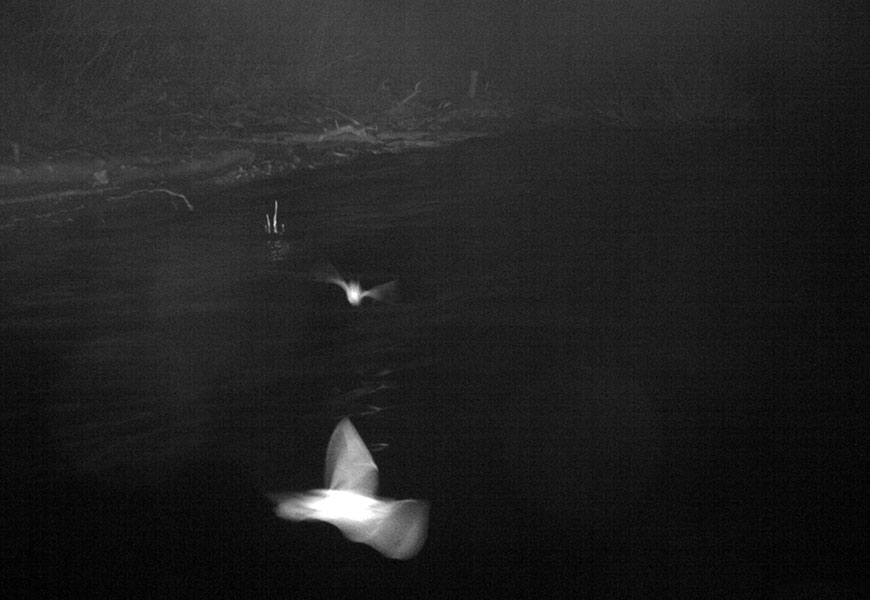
(349, 464)
(386, 292)
(326, 273)
(395, 528)
(402, 531)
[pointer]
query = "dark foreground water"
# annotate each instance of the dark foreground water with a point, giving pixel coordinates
(620, 367)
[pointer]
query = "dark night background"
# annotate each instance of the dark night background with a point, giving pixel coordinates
(626, 357)
(778, 53)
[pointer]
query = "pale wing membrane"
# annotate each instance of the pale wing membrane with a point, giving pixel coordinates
(327, 273)
(295, 507)
(395, 528)
(386, 292)
(349, 464)
(401, 533)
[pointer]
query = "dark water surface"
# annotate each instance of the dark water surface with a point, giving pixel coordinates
(619, 367)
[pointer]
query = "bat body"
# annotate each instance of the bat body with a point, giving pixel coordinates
(395, 528)
(386, 292)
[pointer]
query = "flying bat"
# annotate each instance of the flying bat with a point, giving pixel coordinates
(395, 528)
(386, 292)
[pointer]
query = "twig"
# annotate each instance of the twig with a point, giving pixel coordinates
(349, 118)
(152, 191)
(417, 90)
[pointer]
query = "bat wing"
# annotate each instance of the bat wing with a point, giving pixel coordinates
(386, 292)
(327, 273)
(395, 528)
(349, 464)
(296, 507)
(401, 532)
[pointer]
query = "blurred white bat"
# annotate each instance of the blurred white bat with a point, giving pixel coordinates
(395, 528)
(386, 292)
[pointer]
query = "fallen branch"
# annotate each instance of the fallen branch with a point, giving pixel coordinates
(291, 139)
(153, 191)
(56, 196)
(360, 132)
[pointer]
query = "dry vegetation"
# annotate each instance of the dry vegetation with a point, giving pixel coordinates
(82, 77)
(100, 78)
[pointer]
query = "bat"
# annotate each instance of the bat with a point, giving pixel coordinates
(386, 292)
(395, 528)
